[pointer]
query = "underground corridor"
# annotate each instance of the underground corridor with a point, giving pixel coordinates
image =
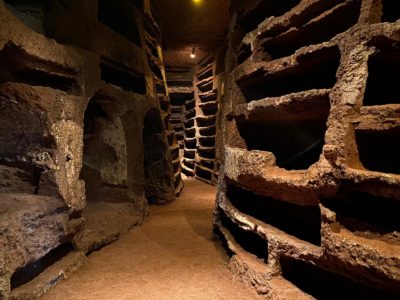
(199, 149)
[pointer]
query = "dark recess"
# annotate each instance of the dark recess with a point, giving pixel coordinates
(379, 150)
(248, 240)
(325, 285)
(33, 269)
(321, 31)
(313, 71)
(119, 16)
(359, 211)
(303, 222)
(16, 65)
(249, 20)
(125, 78)
(391, 12)
(382, 83)
(296, 145)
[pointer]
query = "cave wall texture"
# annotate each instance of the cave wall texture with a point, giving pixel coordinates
(308, 196)
(81, 84)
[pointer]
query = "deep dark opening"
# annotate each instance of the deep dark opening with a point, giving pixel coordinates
(31, 12)
(314, 33)
(391, 12)
(203, 173)
(207, 73)
(264, 9)
(189, 153)
(155, 68)
(16, 65)
(152, 47)
(190, 104)
(379, 150)
(189, 123)
(33, 269)
(190, 132)
(224, 243)
(209, 108)
(209, 96)
(206, 121)
(123, 77)
(244, 53)
(322, 284)
(296, 144)
(359, 211)
(207, 163)
(189, 114)
(119, 16)
(249, 241)
(382, 83)
(206, 86)
(206, 153)
(314, 71)
(206, 141)
(303, 222)
(190, 143)
(207, 131)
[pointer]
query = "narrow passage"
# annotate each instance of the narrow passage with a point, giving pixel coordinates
(173, 255)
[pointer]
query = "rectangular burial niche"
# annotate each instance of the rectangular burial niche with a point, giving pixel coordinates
(326, 28)
(361, 212)
(316, 70)
(119, 16)
(247, 240)
(296, 144)
(382, 83)
(123, 77)
(325, 285)
(17, 65)
(262, 9)
(303, 222)
(30, 271)
(391, 12)
(31, 12)
(378, 150)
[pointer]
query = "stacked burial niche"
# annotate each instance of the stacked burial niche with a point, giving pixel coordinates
(200, 115)
(76, 113)
(310, 181)
(152, 42)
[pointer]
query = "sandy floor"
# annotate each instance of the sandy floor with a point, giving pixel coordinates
(171, 256)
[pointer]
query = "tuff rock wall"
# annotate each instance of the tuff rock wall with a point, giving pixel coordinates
(308, 198)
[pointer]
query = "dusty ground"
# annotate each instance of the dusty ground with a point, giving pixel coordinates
(171, 256)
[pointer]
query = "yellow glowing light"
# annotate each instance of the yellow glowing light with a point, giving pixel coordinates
(197, 1)
(193, 54)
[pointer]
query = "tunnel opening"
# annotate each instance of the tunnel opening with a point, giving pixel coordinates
(323, 284)
(33, 269)
(119, 17)
(207, 141)
(247, 240)
(382, 83)
(123, 77)
(379, 150)
(313, 71)
(303, 222)
(314, 32)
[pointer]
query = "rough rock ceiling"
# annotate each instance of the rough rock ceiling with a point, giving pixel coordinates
(186, 24)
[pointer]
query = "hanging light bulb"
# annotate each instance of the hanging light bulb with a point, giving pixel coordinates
(193, 54)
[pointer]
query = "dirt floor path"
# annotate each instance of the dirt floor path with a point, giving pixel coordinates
(173, 255)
